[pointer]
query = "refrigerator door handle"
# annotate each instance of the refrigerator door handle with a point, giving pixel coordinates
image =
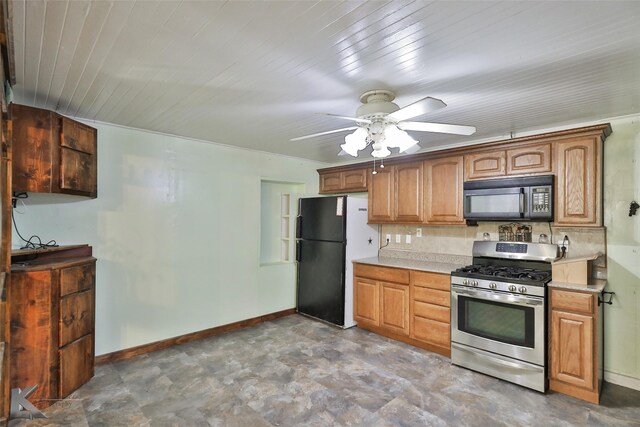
(299, 227)
(298, 251)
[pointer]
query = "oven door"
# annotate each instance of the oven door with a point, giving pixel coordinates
(509, 324)
(496, 203)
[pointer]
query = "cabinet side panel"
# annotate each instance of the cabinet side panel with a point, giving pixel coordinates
(31, 339)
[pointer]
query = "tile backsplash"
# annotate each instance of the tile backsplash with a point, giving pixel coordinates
(458, 240)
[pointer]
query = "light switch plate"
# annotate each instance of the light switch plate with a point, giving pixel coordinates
(398, 238)
(408, 238)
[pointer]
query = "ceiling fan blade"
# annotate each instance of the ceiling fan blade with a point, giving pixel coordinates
(438, 127)
(413, 149)
(418, 108)
(313, 135)
(355, 119)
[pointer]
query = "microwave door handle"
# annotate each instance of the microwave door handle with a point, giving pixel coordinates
(521, 195)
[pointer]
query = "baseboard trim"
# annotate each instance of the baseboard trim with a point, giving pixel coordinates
(128, 353)
(623, 380)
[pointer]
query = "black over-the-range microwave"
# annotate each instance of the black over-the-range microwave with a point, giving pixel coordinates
(525, 198)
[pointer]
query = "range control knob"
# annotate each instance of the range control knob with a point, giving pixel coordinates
(523, 290)
(465, 282)
(492, 285)
(475, 283)
(512, 288)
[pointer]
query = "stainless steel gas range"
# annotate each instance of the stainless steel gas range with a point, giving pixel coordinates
(498, 311)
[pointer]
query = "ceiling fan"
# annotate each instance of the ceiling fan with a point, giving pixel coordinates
(382, 124)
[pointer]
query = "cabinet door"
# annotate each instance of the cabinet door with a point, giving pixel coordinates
(33, 344)
(578, 192)
(330, 182)
(408, 188)
(529, 160)
(355, 180)
(394, 300)
(77, 171)
(572, 351)
(366, 310)
(381, 197)
(443, 189)
(485, 165)
(76, 364)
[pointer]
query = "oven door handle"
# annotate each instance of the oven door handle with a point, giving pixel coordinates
(493, 296)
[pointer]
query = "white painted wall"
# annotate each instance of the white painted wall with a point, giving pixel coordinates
(176, 231)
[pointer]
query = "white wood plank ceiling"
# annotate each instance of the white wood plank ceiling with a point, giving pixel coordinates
(254, 73)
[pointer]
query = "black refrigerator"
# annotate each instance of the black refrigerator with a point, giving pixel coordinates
(331, 232)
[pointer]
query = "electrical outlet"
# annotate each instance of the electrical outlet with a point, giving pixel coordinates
(418, 232)
(408, 238)
(398, 238)
(388, 238)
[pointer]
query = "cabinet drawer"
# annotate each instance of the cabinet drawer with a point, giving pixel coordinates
(76, 364)
(431, 280)
(572, 301)
(76, 316)
(385, 274)
(77, 278)
(432, 296)
(431, 331)
(433, 312)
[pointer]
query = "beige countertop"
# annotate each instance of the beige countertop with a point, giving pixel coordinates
(594, 285)
(412, 264)
(589, 257)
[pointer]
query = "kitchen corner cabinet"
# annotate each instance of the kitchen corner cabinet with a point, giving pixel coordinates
(579, 182)
(443, 185)
(52, 154)
(406, 305)
(350, 181)
(52, 316)
(576, 345)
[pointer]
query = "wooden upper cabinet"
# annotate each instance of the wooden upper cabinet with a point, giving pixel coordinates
(409, 204)
(381, 195)
(350, 181)
(532, 159)
(488, 164)
(52, 154)
(443, 184)
(579, 175)
(331, 182)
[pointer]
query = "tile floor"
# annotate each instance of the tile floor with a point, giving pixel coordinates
(299, 372)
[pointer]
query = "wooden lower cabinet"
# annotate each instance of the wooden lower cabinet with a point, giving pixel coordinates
(575, 348)
(52, 315)
(394, 308)
(408, 305)
(367, 302)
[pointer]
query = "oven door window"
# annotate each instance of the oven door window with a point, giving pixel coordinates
(497, 321)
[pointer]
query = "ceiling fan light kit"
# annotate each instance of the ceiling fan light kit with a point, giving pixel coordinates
(381, 124)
